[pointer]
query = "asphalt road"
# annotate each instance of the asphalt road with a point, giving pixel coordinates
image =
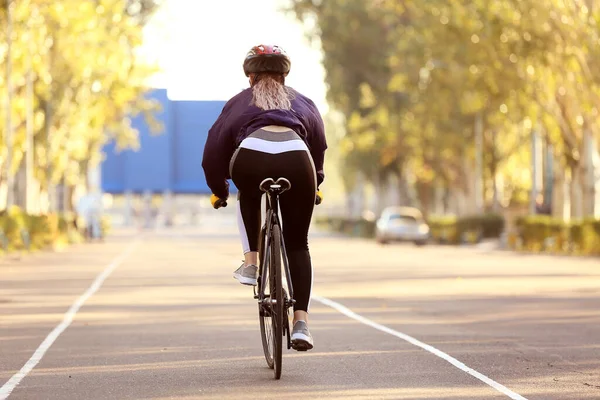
(170, 322)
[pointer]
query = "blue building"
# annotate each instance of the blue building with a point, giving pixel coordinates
(170, 161)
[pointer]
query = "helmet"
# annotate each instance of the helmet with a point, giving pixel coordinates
(266, 58)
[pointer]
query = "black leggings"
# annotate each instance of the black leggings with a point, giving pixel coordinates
(266, 154)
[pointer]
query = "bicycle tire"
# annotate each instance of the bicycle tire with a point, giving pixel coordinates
(264, 316)
(278, 308)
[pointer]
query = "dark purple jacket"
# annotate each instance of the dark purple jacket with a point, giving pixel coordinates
(239, 119)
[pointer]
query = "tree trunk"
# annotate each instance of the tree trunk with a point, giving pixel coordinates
(406, 189)
(21, 187)
(560, 188)
(548, 177)
(35, 197)
(425, 194)
(478, 181)
(3, 192)
(576, 191)
(452, 201)
(439, 199)
(494, 176)
(45, 201)
(566, 197)
(393, 190)
(358, 196)
(471, 202)
(68, 201)
(379, 201)
(463, 203)
(60, 196)
(536, 172)
(596, 182)
(495, 189)
(51, 191)
(498, 192)
(588, 174)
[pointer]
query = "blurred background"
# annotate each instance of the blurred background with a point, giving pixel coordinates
(479, 119)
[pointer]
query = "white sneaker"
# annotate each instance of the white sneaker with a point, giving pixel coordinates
(246, 274)
(301, 338)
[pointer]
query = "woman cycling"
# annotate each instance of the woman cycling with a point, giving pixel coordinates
(269, 131)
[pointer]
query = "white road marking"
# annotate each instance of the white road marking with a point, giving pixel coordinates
(12, 383)
(349, 313)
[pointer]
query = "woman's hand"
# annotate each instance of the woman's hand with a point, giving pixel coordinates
(217, 202)
(319, 198)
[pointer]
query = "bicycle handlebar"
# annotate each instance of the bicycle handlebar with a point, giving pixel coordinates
(221, 203)
(217, 202)
(319, 198)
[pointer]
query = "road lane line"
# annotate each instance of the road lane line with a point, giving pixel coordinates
(351, 314)
(12, 383)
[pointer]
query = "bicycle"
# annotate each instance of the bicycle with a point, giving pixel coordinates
(274, 301)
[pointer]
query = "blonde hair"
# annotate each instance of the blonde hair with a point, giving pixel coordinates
(269, 93)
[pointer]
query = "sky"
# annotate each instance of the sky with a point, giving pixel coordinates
(201, 45)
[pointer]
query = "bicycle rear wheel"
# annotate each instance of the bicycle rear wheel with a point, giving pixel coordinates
(264, 310)
(279, 317)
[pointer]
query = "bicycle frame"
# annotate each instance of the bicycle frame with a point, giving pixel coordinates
(272, 219)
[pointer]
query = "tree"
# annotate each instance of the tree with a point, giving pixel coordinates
(433, 67)
(81, 98)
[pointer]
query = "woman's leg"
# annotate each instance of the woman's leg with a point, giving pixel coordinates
(302, 278)
(248, 210)
(247, 177)
(248, 217)
(296, 212)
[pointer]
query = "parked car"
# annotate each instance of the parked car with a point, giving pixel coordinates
(402, 224)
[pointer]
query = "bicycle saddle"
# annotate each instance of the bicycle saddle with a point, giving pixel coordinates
(279, 186)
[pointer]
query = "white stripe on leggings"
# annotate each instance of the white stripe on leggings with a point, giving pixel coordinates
(312, 281)
(242, 229)
(265, 146)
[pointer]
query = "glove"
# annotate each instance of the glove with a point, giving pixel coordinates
(217, 202)
(319, 198)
